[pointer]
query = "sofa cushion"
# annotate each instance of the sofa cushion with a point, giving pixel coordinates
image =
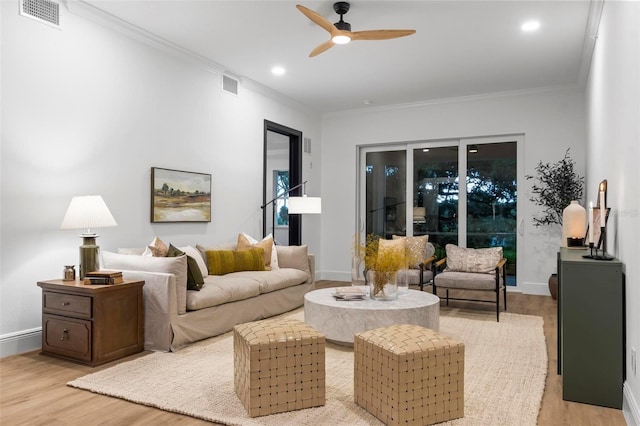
(246, 242)
(194, 276)
(171, 265)
(131, 250)
(275, 280)
(295, 257)
(221, 262)
(220, 289)
(461, 259)
(204, 248)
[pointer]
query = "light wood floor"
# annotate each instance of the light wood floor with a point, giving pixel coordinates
(33, 390)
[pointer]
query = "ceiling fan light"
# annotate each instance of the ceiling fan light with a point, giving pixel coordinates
(341, 39)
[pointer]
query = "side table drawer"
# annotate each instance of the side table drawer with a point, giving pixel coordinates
(68, 337)
(66, 304)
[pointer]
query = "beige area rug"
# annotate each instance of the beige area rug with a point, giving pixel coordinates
(505, 373)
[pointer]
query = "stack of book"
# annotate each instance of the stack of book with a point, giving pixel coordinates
(349, 293)
(104, 277)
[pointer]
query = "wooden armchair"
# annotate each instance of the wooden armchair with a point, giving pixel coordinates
(472, 269)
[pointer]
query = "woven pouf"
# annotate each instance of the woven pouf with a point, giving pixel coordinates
(279, 365)
(409, 375)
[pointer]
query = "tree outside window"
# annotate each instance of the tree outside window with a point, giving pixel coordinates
(281, 183)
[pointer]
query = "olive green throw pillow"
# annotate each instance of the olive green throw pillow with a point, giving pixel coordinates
(195, 281)
(221, 262)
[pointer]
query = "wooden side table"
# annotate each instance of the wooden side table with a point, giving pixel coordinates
(92, 324)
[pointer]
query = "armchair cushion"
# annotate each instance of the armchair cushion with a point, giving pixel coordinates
(466, 280)
(393, 251)
(416, 249)
(461, 259)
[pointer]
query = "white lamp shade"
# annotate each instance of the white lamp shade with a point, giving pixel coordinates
(305, 205)
(87, 212)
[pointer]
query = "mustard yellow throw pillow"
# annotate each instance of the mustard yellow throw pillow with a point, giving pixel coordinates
(221, 262)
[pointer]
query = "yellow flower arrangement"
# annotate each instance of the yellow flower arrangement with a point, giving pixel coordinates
(385, 263)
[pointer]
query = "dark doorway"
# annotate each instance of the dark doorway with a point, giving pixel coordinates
(295, 178)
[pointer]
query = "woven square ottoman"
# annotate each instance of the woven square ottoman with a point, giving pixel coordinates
(279, 365)
(409, 375)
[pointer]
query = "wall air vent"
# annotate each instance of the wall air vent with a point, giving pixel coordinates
(44, 11)
(307, 145)
(230, 85)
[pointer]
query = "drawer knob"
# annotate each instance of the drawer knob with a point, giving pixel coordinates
(64, 334)
(65, 303)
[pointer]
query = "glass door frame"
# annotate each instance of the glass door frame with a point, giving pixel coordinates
(462, 144)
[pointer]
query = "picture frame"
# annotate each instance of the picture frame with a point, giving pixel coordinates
(180, 196)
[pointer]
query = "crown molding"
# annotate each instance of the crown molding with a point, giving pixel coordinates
(460, 99)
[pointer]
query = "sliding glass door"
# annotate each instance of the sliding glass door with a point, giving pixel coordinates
(414, 189)
(385, 203)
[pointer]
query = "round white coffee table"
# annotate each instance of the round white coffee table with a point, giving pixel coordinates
(339, 320)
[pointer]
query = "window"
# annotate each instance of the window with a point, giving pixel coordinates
(281, 187)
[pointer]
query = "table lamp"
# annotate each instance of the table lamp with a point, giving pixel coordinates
(88, 212)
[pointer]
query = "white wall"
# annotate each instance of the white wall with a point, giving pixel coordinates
(551, 122)
(89, 110)
(613, 109)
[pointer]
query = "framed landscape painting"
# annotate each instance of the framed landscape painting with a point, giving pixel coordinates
(178, 196)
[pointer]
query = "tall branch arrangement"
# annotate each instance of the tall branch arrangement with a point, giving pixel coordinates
(554, 187)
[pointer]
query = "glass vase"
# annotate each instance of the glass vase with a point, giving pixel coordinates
(383, 285)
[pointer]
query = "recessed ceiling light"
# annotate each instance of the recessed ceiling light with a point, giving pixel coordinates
(425, 149)
(367, 102)
(530, 26)
(278, 70)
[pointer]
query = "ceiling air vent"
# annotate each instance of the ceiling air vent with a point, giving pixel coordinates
(229, 85)
(44, 11)
(307, 145)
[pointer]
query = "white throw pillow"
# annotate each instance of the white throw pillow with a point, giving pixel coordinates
(170, 265)
(195, 253)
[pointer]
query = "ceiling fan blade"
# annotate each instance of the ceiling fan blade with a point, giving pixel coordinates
(321, 48)
(380, 34)
(317, 18)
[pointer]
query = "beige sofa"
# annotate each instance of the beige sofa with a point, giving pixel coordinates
(175, 316)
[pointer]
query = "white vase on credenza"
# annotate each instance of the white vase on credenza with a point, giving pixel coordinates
(574, 224)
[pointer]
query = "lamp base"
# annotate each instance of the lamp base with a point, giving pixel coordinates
(89, 255)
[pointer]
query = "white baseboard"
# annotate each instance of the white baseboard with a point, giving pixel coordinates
(333, 276)
(630, 407)
(536, 289)
(20, 342)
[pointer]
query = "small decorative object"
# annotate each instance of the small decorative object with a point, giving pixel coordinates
(597, 225)
(88, 212)
(383, 285)
(574, 220)
(553, 286)
(69, 273)
(178, 196)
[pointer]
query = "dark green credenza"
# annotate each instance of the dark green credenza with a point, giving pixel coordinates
(591, 339)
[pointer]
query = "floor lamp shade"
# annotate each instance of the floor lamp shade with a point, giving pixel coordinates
(88, 212)
(305, 205)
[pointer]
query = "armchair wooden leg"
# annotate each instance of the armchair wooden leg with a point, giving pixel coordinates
(498, 305)
(447, 297)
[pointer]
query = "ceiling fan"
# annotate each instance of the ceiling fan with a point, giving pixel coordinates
(341, 31)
